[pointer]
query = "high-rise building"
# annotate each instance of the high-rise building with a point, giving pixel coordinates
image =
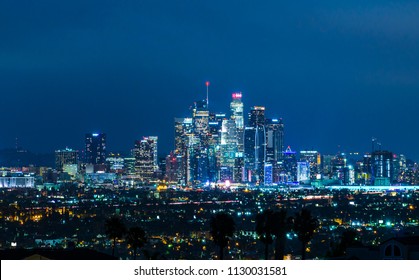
(66, 156)
(338, 167)
(115, 163)
(326, 166)
(146, 160)
(200, 116)
(95, 148)
(313, 159)
(255, 144)
(382, 167)
(274, 140)
(129, 166)
(249, 152)
(214, 150)
(194, 162)
(303, 171)
(171, 168)
(289, 166)
(228, 148)
(236, 107)
(183, 129)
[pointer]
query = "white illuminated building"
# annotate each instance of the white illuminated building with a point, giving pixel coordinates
(17, 182)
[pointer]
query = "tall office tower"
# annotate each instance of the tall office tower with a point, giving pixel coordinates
(129, 166)
(66, 156)
(115, 162)
(289, 166)
(228, 149)
(183, 128)
(326, 166)
(171, 168)
(200, 118)
(249, 153)
(338, 166)
(146, 161)
(402, 167)
(194, 166)
(214, 151)
(236, 107)
(95, 148)
(303, 171)
(215, 122)
(313, 158)
(366, 174)
(274, 140)
(383, 170)
(348, 175)
(255, 144)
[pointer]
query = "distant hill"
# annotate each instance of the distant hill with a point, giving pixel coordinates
(19, 158)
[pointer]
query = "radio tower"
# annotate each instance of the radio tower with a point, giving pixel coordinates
(207, 84)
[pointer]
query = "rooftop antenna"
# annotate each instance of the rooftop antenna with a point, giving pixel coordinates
(373, 144)
(207, 83)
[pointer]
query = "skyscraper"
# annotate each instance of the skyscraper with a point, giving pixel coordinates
(383, 169)
(146, 160)
(228, 149)
(313, 158)
(200, 118)
(66, 156)
(289, 166)
(274, 140)
(95, 148)
(236, 107)
(255, 144)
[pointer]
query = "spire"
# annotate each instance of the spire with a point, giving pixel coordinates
(207, 83)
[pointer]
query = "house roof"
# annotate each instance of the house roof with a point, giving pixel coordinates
(54, 254)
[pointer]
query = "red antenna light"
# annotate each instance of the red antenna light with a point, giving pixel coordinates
(207, 84)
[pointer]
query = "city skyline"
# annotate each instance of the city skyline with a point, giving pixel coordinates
(165, 149)
(337, 73)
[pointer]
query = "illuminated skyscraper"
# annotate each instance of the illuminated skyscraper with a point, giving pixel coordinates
(274, 140)
(95, 148)
(338, 166)
(66, 156)
(313, 158)
(146, 160)
(214, 148)
(115, 162)
(289, 166)
(236, 107)
(255, 144)
(303, 171)
(228, 149)
(383, 169)
(183, 129)
(200, 118)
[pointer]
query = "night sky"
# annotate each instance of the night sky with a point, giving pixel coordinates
(337, 73)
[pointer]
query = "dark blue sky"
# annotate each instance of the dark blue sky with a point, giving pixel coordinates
(337, 73)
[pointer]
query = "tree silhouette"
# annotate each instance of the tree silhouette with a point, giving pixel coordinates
(281, 225)
(304, 225)
(347, 239)
(222, 227)
(265, 228)
(136, 239)
(114, 229)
